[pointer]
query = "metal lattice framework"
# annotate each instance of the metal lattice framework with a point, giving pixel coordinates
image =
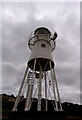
(51, 88)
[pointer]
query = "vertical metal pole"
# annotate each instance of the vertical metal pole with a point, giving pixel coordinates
(27, 101)
(20, 90)
(39, 90)
(53, 88)
(46, 102)
(29, 91)
(57, 91)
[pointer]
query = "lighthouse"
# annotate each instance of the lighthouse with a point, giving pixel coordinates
(40, 71)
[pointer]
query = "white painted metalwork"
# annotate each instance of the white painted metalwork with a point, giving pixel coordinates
(57, 91)
(56, 108)
(42, 43)
(20, 90)
(29, 91)
(46, 101)
(39, 90)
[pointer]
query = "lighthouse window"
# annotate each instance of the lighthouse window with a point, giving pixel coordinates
(42, 31)
(43, 45)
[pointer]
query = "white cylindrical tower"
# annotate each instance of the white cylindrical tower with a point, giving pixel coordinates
(41, 43)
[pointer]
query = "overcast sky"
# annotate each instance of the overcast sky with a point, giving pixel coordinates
(19, 20)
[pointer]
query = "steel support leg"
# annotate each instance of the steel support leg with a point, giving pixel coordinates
(39, 90)
(20, 90)
(57, 90)
(46, 101)
(56, 108)
(29, 91)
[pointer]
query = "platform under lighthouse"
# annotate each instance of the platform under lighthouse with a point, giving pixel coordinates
(40, 68)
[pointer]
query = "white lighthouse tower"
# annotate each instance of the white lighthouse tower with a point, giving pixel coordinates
(40, 72)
